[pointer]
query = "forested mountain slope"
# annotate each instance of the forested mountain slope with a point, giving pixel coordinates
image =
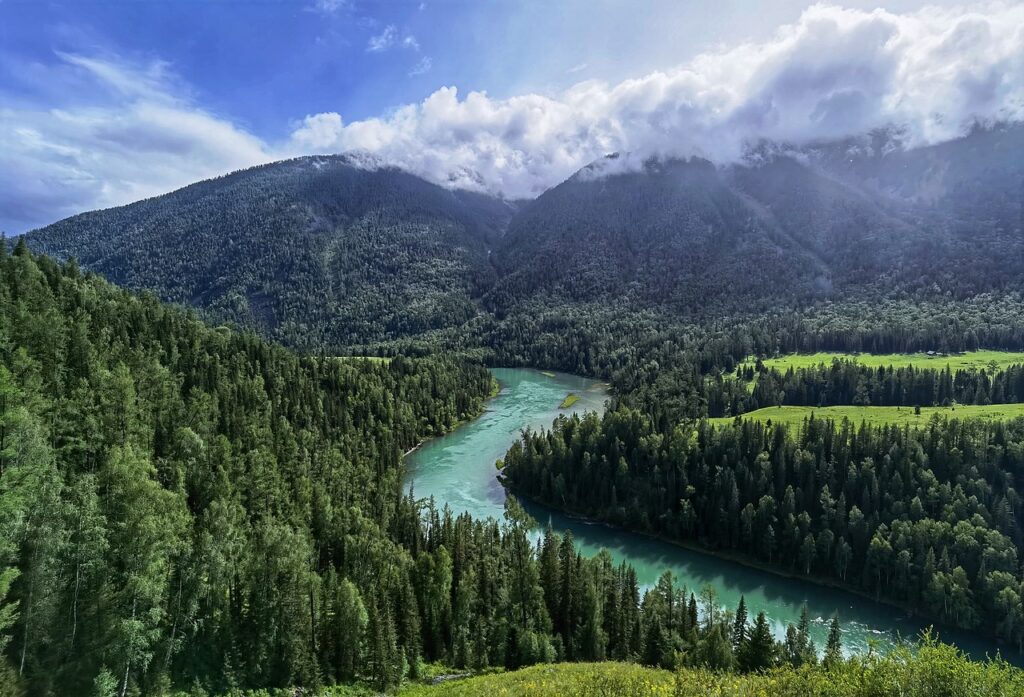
(782, 227)
(190, 510)
(671, 232)
(314, 251)
(337, 252)
(184, 505)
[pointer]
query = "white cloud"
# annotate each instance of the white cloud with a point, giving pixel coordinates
(147, 141)
(422, 66)
(328, 7)
(835, 72)
(391, 38)
(832, 73)
(383, 41)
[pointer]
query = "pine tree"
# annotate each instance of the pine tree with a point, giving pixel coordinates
(655, 643)
(834, 646)
(714, 651)
(805, 645)
(760, 648)
(739, 627)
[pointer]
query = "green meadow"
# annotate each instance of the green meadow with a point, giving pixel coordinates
(971, 359)
(881, 415)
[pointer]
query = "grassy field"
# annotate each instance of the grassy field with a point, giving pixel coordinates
(372, 359)
(882, 415)
(569, 400)
(971, 359)
(558, 680)
(933, 669)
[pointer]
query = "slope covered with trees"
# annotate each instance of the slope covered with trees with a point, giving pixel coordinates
(189, 508)
(784, 225)
(337, 253)
(315, 252)
(924, 518)
(182, 503)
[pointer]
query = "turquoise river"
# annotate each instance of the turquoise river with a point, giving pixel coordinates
(458, 470)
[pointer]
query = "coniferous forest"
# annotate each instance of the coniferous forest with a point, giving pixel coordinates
(923, 518)
(190, 508)
(353, 348)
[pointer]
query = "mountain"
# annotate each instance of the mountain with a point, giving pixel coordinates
(674, 232)
(783, 226)
(340, 251)
(313, 251)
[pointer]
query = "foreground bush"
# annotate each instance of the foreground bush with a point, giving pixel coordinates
(929, 670)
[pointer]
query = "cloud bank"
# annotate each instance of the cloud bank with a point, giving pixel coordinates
(834, 72)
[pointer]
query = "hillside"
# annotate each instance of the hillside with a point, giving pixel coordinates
(335, 252)
(670, 233)
(781, 228)
(174, 497)
(933, 670)
(314, 251)
(342, 251)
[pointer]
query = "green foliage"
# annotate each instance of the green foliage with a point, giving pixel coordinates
(968, 361)
(848, 382)
(186, 506)
(921, 517)
(317, 252)
(880, 416)
(569, 400)
(929, 669)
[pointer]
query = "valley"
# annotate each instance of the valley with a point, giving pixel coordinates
(457, 471)
(427, 349)
(634, 421)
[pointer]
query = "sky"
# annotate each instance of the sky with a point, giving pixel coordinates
(103, 103)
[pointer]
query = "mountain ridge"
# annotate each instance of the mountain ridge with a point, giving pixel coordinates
(336, 251)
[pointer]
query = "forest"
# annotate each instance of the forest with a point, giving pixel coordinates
(846, 382)
(922, 518)
(189, 509)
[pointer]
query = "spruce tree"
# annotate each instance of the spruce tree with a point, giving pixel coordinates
(739, 626)
(759, 653)
(834, 647)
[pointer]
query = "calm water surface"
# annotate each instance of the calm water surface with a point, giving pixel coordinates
(458, 470)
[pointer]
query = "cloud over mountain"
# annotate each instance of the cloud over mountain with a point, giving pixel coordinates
(832, 73)
(835, 72)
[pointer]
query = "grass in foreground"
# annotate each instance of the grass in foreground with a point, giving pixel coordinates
(569, 400)
(969, 360)
(932, 670)
(927, 669)
(881, 415)
(558, 680)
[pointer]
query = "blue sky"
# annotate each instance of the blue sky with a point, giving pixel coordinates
(106, 102)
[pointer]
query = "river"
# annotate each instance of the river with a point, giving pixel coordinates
(458, 470)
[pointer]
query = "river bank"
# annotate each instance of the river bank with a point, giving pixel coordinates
(458, 470)
(746, 561)
(495, 390)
